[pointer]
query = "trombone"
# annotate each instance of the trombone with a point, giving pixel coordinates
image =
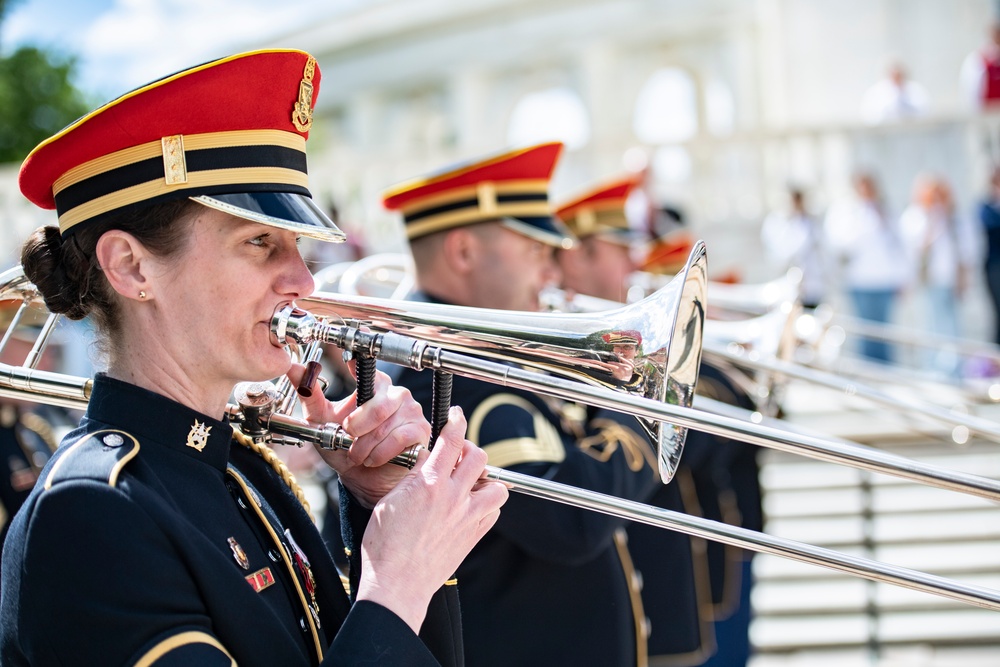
(767, 342)
(578, 365)
(823, 333)
(746, 343)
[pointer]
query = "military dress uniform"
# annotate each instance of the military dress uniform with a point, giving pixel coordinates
(151, 537)
(186, 548)
(550, 584)
(676, 594)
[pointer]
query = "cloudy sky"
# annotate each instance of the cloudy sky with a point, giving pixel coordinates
(122, 44)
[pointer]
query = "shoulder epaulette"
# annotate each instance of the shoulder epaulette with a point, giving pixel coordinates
(542, 444)
(100, 455)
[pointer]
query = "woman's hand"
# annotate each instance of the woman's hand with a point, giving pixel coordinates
(424, 528)
(388, 424)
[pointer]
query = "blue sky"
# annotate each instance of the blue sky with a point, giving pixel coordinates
(121, 44)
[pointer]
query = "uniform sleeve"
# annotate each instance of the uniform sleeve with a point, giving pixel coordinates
(523, 436)
(375, 635)
(101, 585)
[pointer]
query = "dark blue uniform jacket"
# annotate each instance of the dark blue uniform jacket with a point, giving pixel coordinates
(550, 584)
(153, 538)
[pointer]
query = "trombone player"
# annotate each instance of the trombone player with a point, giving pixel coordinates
(549, 584)
(157, 533)
(694, 591)
(674, 565)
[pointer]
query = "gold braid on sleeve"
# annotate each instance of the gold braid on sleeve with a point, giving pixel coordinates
(269, 455)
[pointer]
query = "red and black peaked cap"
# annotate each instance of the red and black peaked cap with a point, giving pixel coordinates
(510, 187)
(230, 134)
(600, 211)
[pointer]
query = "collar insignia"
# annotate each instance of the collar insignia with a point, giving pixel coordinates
(239, 554)
(198, 436)
(302, 116)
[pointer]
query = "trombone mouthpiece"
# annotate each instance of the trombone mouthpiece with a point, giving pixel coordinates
(292, 325)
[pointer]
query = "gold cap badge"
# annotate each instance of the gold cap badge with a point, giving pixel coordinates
(302, 116)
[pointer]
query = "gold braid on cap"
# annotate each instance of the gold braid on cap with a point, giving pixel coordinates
(268, 454)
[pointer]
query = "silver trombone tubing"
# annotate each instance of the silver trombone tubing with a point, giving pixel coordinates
(443, 326)
(906, 336)
(719, 346)
(721, 351)
(746, 298)
(57, 389)
(757, 299)
(417, 354)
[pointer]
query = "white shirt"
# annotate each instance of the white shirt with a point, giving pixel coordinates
(796, 240)
(940, 244)
(869, 246)
(885, 101)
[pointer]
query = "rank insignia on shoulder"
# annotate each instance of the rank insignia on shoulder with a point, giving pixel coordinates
(260, 579)
(198, 436)
(239, 554)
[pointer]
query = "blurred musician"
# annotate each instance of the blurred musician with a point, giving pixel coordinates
(695, 592)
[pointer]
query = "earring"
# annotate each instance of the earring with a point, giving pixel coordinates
(142, 295)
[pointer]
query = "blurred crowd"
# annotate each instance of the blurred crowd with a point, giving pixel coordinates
(931, 251)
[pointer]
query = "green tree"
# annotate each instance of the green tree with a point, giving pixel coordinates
(37, 99)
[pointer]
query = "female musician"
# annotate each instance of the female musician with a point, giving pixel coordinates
(157, 534)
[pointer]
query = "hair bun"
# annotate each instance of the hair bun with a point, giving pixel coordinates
(55, 268)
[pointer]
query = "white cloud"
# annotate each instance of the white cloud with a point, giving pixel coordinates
(122, 44)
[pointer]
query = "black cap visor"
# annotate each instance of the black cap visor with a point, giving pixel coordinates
(284, 210)
(547, 229)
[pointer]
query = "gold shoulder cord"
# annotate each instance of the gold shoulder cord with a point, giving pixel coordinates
(279, 466)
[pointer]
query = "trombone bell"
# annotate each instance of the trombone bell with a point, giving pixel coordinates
(650, 349)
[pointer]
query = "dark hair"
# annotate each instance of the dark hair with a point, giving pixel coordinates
(70, 279)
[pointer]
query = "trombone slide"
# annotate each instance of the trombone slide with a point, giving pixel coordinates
(331, 436)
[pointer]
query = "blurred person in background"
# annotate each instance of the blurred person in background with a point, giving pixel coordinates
(893, 98)
(793, 238)
(943, 248)
(874, 266)
(989, 218)
(550, 584)
(980, 73)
